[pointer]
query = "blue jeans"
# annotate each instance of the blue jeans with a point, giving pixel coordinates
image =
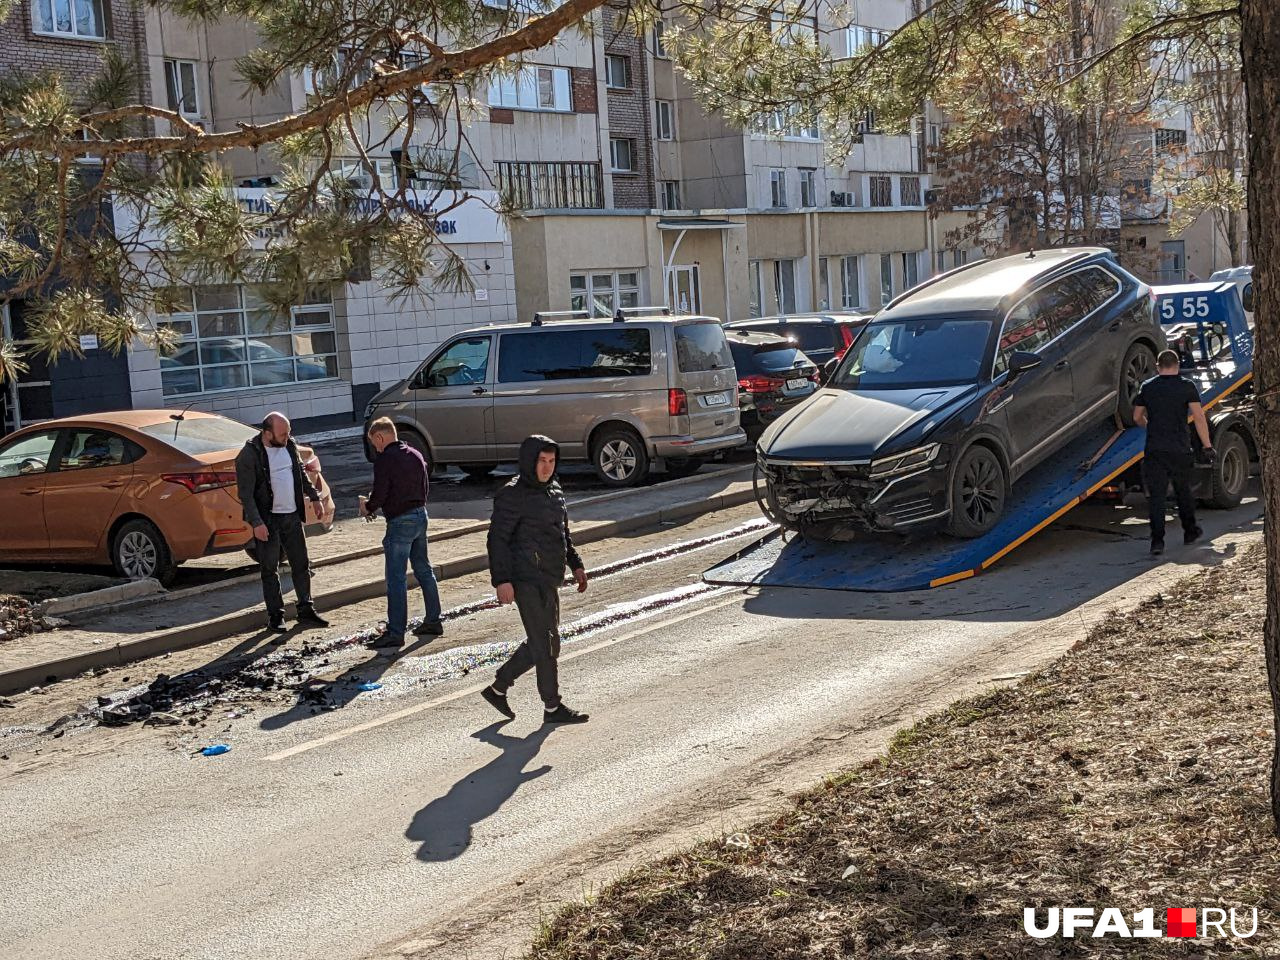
(406, 543)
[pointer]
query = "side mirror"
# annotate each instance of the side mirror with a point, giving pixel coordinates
(1246, 297)
(830, 367)
(1021, 362)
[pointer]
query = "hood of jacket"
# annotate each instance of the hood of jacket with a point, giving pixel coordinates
(529, 452)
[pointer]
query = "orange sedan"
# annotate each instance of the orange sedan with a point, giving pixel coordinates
(142, 490)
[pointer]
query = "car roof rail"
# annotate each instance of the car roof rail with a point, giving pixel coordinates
(621, 314)
(542, 316)
(932, 280)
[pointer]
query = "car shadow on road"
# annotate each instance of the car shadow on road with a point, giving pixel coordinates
(444, 826)
(324, 696)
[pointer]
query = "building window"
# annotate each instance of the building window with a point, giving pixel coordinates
(69, 18)
(231, 340)
(868, 123)
(824, 283)
(881, 191)
(808, 188)
(755, 289)
(604, 294)
(622, 155)
(851, 283)
(659, 40)
(787, 124)
(886, 278)
(910, 270)
(859, 39)
(180, 84)
(909, 191)
(617, 72)
(778, 188)
(784, 285)
(959, 258)
(533, 88)
(666, 119)
(1170, 140)
(550, 185)
(942, 261)
(670, 194)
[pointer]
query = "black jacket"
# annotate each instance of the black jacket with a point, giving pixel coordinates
(529, 539)
(253, 479)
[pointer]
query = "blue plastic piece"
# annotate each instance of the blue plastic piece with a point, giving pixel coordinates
(891, 564)
(217, 750)
(368, 687)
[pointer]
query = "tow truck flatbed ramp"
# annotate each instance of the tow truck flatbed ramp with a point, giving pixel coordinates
(892, 564)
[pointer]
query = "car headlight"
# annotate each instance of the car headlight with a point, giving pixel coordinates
(904, 462)
(369, 408)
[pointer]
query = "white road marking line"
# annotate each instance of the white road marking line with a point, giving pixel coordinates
(738, 596)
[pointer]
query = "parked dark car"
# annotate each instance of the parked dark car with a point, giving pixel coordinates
(822, 336)
(773, 376)
(958, 388)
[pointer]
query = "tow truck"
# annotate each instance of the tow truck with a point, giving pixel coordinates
(1204, 322)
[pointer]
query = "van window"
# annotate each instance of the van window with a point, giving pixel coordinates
(701, 347)
(537, 355)
(466, 361)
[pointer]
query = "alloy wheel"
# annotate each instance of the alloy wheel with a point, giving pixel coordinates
(138, 555)
(981, 490)
(1140, 370)
(618, 459)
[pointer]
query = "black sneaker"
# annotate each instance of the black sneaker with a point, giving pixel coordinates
(1191, 536)
(1157, 547)
(499, 702)
(275, 623)
(385, 641)
(429, 628)
(563, 714)
(307, 616)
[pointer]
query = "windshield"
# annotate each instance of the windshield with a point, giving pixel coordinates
(199, 435)
(929, 352)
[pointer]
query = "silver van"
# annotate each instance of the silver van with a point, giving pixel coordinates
(623, 394)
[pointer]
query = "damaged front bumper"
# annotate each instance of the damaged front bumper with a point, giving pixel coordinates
(864, 495)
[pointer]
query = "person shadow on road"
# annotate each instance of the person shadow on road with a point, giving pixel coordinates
(444, 826)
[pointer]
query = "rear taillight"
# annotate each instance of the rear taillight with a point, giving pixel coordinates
(846, 334)
(677, 402)
(755, 383)
(200, 482)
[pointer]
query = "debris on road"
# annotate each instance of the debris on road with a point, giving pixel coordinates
(21, 618)
(215, 750)
(368, 687)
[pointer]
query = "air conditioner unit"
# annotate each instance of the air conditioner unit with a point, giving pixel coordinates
(843, 199)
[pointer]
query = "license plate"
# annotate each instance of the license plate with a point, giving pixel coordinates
(797, 384)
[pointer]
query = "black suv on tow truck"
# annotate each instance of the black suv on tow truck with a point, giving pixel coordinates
(959, 387)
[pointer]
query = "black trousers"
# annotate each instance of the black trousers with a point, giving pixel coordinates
(1159, 469)
(284, 534)
(539, 608)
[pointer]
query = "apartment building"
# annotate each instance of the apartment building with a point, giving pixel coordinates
(38, 35)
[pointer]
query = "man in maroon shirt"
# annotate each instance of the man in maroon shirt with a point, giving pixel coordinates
(400, 492)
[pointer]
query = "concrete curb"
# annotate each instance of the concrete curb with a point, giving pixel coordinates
(23, 678)
(130, 600)
(107, 596)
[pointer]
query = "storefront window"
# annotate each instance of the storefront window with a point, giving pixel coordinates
(231, 340)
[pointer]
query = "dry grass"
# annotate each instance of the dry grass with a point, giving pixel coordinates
(1132, 773)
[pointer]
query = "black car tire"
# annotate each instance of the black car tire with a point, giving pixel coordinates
(138, 550)
(619, 457)
(684, 466)
(1230, 471)
(1138, 366)
(978, 493)
(477, 471)
(415, 440)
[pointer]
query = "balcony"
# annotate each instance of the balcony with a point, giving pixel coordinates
(551, 185)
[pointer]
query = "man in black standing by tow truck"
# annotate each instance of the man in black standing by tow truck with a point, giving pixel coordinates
(1164, 405)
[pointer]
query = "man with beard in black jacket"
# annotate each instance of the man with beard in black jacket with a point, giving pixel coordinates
(529, 547)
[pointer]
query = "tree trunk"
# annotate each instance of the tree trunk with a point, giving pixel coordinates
(1260, 49)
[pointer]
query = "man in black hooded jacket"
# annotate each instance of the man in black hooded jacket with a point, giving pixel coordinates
(529, 547)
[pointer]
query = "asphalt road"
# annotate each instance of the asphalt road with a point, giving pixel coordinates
(407, 822)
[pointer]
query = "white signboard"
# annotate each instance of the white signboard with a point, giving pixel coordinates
(88, 341)
(482, 294)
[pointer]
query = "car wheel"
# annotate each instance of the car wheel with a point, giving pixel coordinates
(978, 491)
(620, 458)
(139, 551)
(1138, 366)
(477, 471)
(1230, 471)
(684, 466)
(414, 439)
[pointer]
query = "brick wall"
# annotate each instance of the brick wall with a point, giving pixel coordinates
(78, 61)
(584, 90)
(631, 114)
